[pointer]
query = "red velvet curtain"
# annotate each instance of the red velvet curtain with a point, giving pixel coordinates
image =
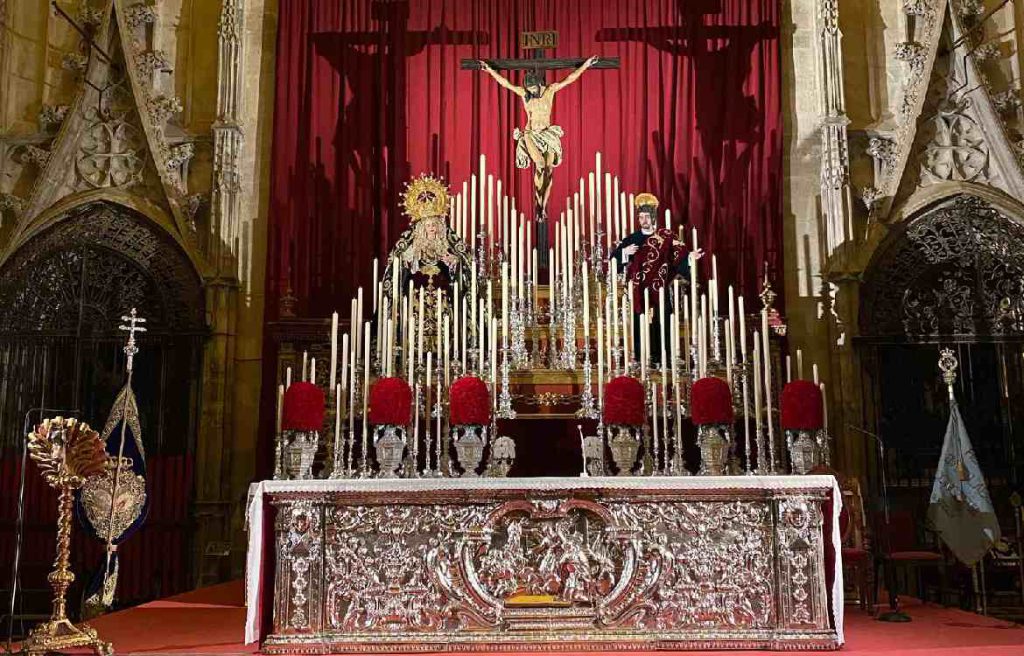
(369, 93)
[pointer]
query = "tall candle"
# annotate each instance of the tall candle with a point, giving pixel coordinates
(280, 405)
(592, 200)
(490, 209)
(344, 360)
(456, 325)
(799, 364)
(609, 214)
(447, 351)
(305, 366)
(552, 277)
(472, 213)
(334, 350)
(766, 354)
(359, 310)
(376, 264)
(743, 332)
(618, 218)
(462, 333)
(789, 369)
(625, 340)
(312, 370)
(632, 213)
(437, 326)
(814, 370)
(654, 425)
(419, 328)
(661, 322)
(693, 286)
(757, 398)
(366, 390)
(600, 362)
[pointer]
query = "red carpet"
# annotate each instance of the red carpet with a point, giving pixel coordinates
(211, 621)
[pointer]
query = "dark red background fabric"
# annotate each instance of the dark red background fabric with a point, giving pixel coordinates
(370, 92)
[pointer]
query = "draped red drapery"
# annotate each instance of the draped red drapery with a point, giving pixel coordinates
(369, 93)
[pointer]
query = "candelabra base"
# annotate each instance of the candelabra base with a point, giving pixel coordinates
(62, 635)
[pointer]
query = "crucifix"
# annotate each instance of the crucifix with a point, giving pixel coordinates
(539, 144)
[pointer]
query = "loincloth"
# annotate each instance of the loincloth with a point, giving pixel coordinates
(546, 140)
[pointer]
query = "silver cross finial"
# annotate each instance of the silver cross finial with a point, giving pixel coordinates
(132, 327)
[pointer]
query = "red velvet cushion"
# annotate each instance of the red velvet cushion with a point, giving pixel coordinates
(470, 402)
(390, 402)
(711, 402)
(624, 402)
(800, 406)
(302, 407)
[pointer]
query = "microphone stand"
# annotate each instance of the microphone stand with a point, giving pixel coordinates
(20, 522)
(894, 614)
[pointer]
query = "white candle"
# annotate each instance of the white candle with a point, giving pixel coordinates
(472, 214)
(600, 362)
(344, 361)
(312, 370)
(337, 424)
(618, 218)
(447, 352)
(824, 407)
(632, 213)
(419, 327)
(305, 366)
(591, 198)
(625, 340)
(743, 331)
(789, 369)
(766, 354)
(366, 385)
(334, 349)
(693, 286)
(374, 280)
(757, 397)
(814, 370)
(799, 364)
(287, 377)
(609, 213)
(280, 406)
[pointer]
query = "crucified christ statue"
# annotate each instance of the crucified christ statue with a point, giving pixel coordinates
(540, 143)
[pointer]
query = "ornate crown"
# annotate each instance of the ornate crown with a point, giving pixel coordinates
(645, 199)
(425, 196)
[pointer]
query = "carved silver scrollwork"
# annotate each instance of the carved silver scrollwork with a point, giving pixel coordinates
(483, 570)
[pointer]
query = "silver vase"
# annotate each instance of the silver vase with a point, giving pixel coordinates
(624, 443)
(804, 451)
(714, 441)
(469, 448)
(389, 443)
(300, 454)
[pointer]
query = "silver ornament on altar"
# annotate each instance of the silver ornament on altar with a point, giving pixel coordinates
(470, 441)
(715, 441)
(389, 444)
(624, 443)
(503, 456)
(807, 450)
(299, 454)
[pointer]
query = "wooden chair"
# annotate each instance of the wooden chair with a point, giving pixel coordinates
(858, 564)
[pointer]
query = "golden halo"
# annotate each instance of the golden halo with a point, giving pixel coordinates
(645, 199)
(424, 197)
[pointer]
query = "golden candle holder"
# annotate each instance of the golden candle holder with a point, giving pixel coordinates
(67, 453)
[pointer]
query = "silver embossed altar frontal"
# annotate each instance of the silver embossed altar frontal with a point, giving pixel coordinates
(545, 564)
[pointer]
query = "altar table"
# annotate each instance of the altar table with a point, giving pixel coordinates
(732, 562)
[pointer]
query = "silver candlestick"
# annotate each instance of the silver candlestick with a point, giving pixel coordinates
(505, 410)
(588, 409)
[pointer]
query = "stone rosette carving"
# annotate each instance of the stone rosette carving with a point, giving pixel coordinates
(111, 153)
(956, 148)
